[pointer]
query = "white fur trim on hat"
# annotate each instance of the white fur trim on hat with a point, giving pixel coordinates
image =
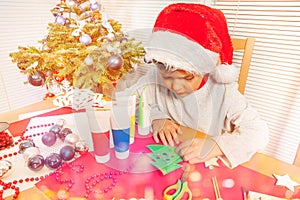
(175, 50)
(225, 73)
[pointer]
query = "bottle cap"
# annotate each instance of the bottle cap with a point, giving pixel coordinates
(102, 159)
(122, 155)
(144, 130)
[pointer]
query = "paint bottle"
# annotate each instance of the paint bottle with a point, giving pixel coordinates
(120, 127)
(131, 106)
(99, 122)
(144, 123)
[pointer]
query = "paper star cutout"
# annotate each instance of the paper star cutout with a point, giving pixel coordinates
(286, 181)
(212, 163)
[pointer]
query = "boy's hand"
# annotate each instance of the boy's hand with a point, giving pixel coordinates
(199, 150)
(166, 130)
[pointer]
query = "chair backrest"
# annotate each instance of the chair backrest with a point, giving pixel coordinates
(247, 46)
(297, 157)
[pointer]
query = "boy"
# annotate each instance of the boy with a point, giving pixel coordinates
(193, 86)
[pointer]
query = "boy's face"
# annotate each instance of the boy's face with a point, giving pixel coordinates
(180, 82)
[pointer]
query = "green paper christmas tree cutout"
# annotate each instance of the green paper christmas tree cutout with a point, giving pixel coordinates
(164, 158)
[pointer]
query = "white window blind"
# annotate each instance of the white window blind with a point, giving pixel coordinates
(273, 86)
(137, 16)
(22, 23)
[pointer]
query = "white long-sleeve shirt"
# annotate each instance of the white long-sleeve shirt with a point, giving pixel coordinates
(216, 109)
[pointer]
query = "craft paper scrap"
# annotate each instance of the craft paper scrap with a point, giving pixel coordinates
(164, 158)
(286, 181)
(211, 163)
(259, 196)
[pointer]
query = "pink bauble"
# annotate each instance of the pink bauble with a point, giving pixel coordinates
(115, 62)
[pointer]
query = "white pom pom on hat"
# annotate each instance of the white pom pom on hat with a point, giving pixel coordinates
(193, 37)
(225, 74)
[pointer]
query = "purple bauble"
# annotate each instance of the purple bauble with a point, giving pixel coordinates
(115, 62)
(36, 79)
(36, 163)
(63, 133)
(49, 139)
(85, 39)
(67, 152)
(55, 129)
(60, 20)
(53, 161)
(123, 40)
(95, 6)
(26, 144)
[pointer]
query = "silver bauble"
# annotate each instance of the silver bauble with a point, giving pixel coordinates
(30, 152)
(81, 147)
(5, 167)
(71, 139)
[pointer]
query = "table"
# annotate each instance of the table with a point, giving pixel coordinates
(13, 116)
(259, 162)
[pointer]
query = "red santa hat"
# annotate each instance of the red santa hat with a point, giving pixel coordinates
(194, 38)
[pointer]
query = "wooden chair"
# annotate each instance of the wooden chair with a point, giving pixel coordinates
(297, 157)
(247, 46)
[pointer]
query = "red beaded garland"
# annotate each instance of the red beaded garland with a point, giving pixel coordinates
(6, 140)
(94, 180)
(13, 184)
(78, 168)
(91, 183)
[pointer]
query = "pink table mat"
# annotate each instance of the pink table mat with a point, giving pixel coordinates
(142, 179)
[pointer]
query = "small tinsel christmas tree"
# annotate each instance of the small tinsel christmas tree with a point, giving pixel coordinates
(83, 47)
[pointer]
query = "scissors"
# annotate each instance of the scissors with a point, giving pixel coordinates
(180, 188)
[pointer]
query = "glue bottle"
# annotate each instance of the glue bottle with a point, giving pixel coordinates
(144, 124)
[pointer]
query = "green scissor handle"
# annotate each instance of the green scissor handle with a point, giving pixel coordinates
(180, 189)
